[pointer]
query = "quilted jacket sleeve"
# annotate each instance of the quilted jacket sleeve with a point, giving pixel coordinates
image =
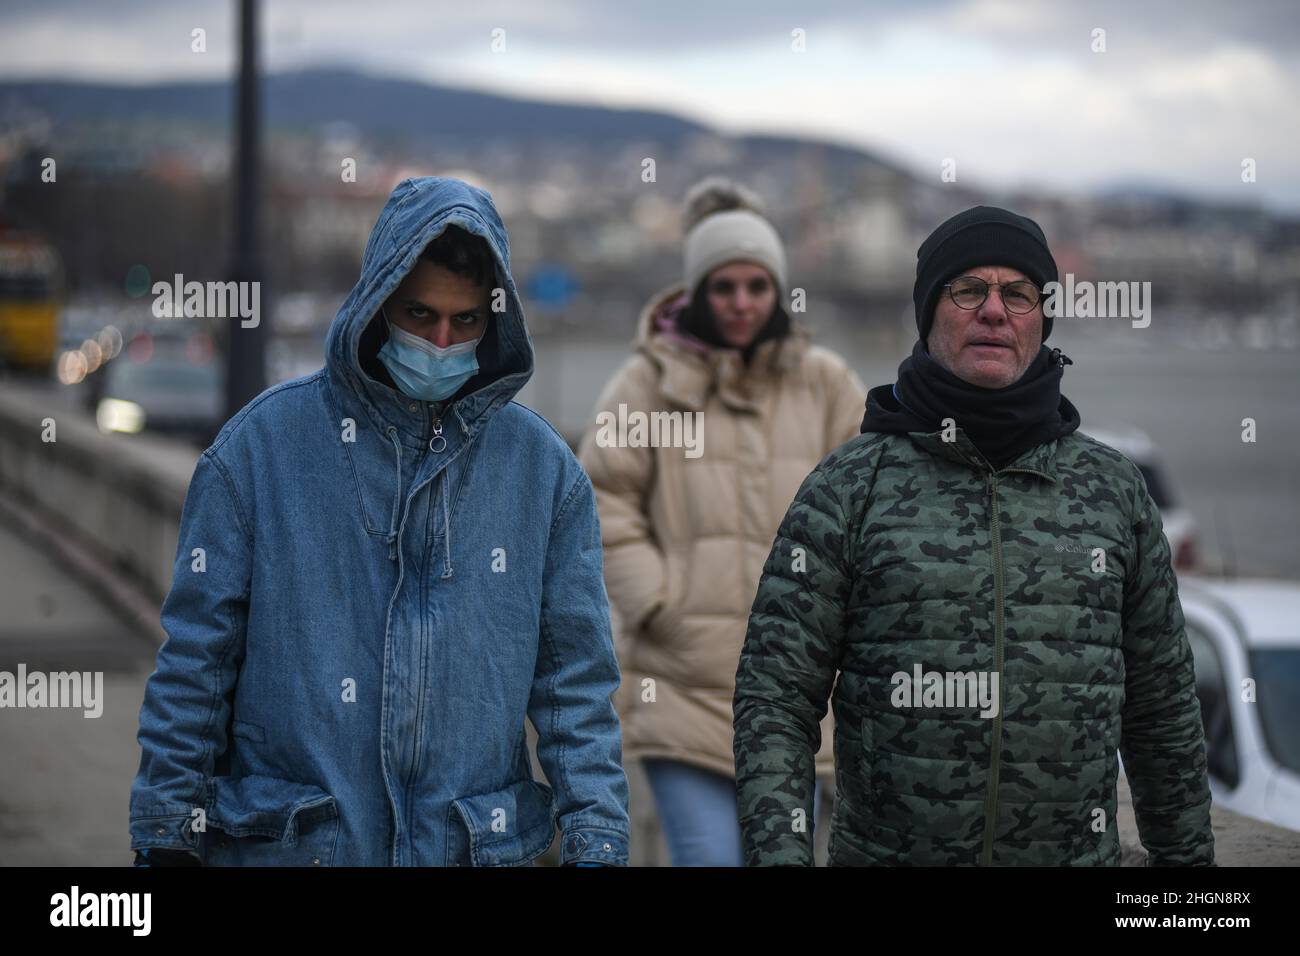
(1162, 742)
(787, 668)
(634, 564)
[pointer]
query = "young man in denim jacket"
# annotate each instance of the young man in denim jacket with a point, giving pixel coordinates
(382, 569)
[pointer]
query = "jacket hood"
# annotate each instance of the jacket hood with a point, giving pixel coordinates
(418, 211)
(886, 414)
(659, 317)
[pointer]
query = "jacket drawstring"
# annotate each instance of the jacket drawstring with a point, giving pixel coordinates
(397, 498)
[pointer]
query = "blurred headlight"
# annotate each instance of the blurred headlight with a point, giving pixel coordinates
(116, 415)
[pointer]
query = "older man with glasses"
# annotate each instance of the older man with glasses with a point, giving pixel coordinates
(990, 594)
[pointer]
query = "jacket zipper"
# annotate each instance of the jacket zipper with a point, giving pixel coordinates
(991, 799)
(436, 444)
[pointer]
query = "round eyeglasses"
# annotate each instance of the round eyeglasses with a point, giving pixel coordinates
(969, 292)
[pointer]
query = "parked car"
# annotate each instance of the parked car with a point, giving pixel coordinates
(1180, 527)
(161, 384)
(1245, 637)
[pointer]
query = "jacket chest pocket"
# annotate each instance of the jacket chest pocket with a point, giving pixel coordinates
(1079, 568)
(265, 821)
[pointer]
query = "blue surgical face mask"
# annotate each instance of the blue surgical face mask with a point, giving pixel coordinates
(423, 370)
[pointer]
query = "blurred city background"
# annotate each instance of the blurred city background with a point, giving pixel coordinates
(1167, 156)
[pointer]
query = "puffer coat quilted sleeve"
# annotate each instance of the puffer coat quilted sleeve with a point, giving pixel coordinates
(1162, 742)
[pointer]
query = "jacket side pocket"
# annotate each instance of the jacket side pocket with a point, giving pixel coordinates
(266, 821)
(508, 827)
(663, 626)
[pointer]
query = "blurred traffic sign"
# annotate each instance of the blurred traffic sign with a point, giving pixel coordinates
(551, 286)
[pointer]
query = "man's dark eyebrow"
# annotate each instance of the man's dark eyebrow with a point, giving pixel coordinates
(416, 303)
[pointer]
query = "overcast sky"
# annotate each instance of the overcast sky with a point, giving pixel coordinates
(1011, 90)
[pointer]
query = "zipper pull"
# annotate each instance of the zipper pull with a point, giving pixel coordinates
(437, 443)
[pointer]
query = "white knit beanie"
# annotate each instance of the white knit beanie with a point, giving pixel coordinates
(724, 225)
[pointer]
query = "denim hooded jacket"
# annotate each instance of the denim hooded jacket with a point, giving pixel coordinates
(369, 595)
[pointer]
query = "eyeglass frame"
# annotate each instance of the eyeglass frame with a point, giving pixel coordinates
(989, 285)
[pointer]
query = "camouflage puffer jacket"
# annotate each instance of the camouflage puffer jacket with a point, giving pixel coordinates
(903, 555)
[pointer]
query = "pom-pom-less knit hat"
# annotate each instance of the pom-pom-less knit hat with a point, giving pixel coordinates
(980, 236)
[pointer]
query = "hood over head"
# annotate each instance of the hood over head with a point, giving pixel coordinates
(418, 211)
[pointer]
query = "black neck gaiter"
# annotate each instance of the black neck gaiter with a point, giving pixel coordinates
(1003, 423)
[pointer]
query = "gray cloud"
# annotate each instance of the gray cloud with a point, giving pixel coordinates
(1186, 25)
(1184, 91)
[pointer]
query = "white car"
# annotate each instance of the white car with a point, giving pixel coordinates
(1245, 637)
(1180, 527)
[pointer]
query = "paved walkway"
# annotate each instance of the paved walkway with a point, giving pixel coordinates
(65, 779)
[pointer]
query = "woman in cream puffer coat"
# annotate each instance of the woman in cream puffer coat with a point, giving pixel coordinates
(687, 525)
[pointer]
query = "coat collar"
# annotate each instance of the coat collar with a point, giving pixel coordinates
(1039, 460)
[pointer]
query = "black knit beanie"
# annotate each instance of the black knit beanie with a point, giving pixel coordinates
(980, 236)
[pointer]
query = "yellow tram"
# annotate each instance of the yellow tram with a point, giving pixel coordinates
(31, 279)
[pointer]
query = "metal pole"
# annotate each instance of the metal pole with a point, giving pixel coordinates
(246, 346)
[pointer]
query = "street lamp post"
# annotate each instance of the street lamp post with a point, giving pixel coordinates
(246, 341)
